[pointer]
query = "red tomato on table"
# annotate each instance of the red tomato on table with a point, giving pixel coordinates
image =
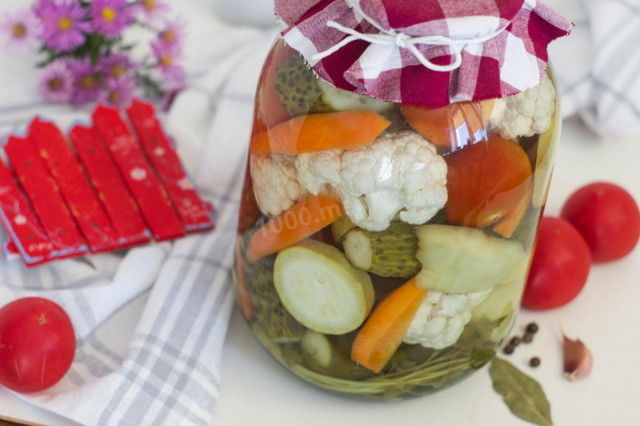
(607, 217)
(559, 268)
(37, 344)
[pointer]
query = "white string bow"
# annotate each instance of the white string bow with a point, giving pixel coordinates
(403, 41)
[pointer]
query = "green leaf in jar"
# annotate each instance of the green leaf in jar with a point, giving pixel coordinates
(522, 394)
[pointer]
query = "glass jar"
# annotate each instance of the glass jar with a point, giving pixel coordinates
(383, 249)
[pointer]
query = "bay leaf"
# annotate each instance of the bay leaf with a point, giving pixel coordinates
(522, 394)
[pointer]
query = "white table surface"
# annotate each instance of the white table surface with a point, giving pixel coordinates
(258, 391)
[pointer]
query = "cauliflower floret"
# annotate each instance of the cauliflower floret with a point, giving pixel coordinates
(275, 183)
(399, 172)
(441, 318)
(527, 113)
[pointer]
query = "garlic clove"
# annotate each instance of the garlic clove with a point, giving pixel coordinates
(578, 360)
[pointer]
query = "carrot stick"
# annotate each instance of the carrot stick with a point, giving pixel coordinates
(243, 287)
(299, 222)
(318, 132)
(382, 333)
(509, 223)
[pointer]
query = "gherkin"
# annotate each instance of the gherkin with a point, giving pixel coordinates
(270, 314)
(390, 253)
(298, 87)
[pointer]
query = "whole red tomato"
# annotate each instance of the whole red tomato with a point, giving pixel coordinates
(607, 217)
(559, 268)
(37, 344)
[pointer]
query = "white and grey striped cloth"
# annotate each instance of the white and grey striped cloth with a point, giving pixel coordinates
(151, 321)
(597, 66)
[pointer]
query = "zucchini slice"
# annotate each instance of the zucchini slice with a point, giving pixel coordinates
(321, 290)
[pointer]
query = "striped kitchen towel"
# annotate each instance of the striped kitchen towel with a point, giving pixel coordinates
(597, 67)
(151, 321)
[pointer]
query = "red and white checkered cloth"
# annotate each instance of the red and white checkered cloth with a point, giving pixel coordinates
(509, 56)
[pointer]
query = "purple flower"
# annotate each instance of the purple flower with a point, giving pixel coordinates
(173, 33)
(86, 85)
(40, 8)
(168, 57)
(110, 17)
(172, 89)
(115, 65)
(19, 29)
(63, 25)
(151, 11)
(117, 91)
(56, 82)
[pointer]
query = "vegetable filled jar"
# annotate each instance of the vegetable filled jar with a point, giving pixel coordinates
(398, 168)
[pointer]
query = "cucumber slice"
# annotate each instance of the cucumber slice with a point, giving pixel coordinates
(320, 288)
(500, 305)
(317, 347)
(501, 302)
(518, 273)
(464, 260)
(342, 100)
(390, 253)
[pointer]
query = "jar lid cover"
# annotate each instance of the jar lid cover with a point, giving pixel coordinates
(424, 52)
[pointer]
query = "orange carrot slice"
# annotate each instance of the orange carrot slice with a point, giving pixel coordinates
(299, 222)
(268, 110)
(382, 333)
(318, 132)
(243, 287)
(485, 181)
(444, 126)
(509, 223)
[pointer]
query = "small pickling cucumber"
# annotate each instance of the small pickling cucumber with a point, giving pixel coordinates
(458, 259)
(319, 288)
(317, 347)
(340, 228)
(390, 253)
(269, 312)
(298, 87)
(343, 100)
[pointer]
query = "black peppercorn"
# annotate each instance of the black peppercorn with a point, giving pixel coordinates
(508, 349)
(532, 328)
(515, 341)
(528, 337)
(534, 362)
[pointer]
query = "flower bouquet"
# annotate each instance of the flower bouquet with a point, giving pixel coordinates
(88, 54)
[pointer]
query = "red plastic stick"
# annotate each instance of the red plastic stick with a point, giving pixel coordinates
(85, 207)
(167, 164)
(21, 223)
(151, 197)
(111, 189)
(45, 197)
